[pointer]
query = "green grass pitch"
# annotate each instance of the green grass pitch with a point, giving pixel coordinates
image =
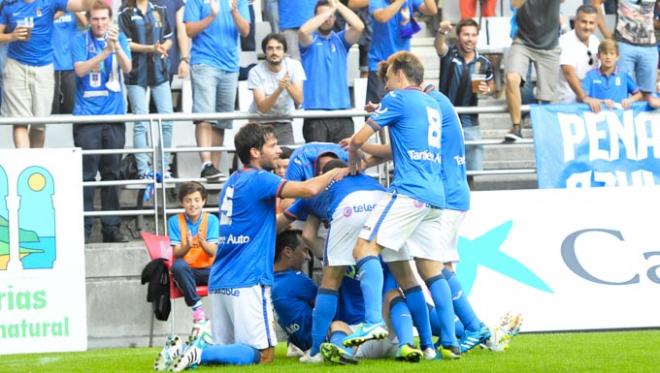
(635, 351)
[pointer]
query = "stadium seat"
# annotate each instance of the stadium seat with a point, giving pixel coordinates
(159, 247)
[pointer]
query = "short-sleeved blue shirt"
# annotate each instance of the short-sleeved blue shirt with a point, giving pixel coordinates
(64, 31)
(174, 232)
(415, 123)
(293, 13)
(92, 96)
(37, 51)
(324, 62)
(217, 45)
(246, 247)
(616, 87)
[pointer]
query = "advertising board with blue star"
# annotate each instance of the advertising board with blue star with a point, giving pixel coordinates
(577, 148)
(567, 259)
(42, 253)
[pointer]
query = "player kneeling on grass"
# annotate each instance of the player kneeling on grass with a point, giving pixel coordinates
(242, 273)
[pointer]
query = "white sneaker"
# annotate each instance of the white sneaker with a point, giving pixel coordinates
(173, 347)
(502, 334)
(309, 359)
(429, 353)
(293, 351)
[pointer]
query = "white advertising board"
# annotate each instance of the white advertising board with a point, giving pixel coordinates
(566, 259)
(42, 259)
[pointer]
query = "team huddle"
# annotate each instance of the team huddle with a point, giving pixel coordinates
(388, 254)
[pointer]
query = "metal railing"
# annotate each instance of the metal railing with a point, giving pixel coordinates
(158, 152)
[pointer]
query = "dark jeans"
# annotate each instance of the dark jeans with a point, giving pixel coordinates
(65, 92)
(187, 279)
(101, 136)
(327, 129)
(375, 88)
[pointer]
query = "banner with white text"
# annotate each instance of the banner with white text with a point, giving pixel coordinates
(42, 259)
(576, 148)
(567, 259)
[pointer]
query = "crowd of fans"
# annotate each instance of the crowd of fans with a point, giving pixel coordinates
(75, 56)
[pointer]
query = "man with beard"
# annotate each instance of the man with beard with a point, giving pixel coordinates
(324, 53)
(277, 86)
(460, 67)
(242, 274)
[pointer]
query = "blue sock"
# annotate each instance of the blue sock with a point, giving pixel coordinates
(337, 337)
(460, 328)
(462, 306)
(371, 283)
(234, 354)
(322, 315)
(401, 320)
(420, 315)
(435, 321)
(443, 306)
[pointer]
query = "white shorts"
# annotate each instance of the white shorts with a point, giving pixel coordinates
(347, 221)
(395, 219)
(243, 315)
(445, 242)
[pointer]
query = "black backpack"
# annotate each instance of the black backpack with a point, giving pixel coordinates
(158, 292)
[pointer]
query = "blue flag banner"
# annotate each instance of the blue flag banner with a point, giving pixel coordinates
(577, 148)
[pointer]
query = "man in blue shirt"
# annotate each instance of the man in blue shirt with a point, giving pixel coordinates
(393, 27)
(29, 79)
(324, 54)
(214, 26)
(412, 209)
(64, 31)
(242, 274)
(100, 56)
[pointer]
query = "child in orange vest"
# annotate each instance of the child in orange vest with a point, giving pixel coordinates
(194, 240)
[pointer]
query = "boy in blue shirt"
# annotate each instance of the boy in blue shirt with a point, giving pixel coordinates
(242, 274)
(607, 85)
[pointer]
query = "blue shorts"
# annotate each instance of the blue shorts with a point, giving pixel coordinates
(214, 91)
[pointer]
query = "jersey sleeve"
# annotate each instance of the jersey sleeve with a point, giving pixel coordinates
(295, 172)
(254, 79)
(631, 85)
(125, 24)
(124, 45)
(267, 185)
(342, 37)
(586, 85)
(173, 230)
(168, 30)
(192, 11)
(375, 5)
(212, 228)
(244, 10)
(299, 209)
(389, 110)
(78, 50)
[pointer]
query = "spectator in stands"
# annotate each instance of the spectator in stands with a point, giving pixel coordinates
(324, 56)
(361, 8)
(64, 31)
(579, 49)
(214, 26)
(194, 239)
(464, 73)
(608, 84)
(179, 54)
(98, 55)
(536, 41)
(292, 14)
(635, 34)
(277, 86)
(29, 77)
(393, 27)
(150, 37)
(469, 8)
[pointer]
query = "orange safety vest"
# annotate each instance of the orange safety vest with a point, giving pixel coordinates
(196, 257)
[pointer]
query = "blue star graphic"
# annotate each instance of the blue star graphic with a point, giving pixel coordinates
(485, 251)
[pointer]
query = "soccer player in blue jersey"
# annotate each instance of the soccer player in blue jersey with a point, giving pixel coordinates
(411, 209)
(242, 273)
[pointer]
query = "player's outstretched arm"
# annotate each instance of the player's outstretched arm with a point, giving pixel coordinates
(313, 186)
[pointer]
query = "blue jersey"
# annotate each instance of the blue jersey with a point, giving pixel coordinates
(350, 302)
(293, 296)
(174, 231)
(37, 51)
(293, 13)
(325, 57)
(454, 176)
(302, 163)
(246, 246)
(217, 45)
(92, 96)
(414, 120)
(617, 86)
(64, 31)
(386, 38)
(324, 205)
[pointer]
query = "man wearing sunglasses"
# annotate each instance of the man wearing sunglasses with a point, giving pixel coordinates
(579, 48)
